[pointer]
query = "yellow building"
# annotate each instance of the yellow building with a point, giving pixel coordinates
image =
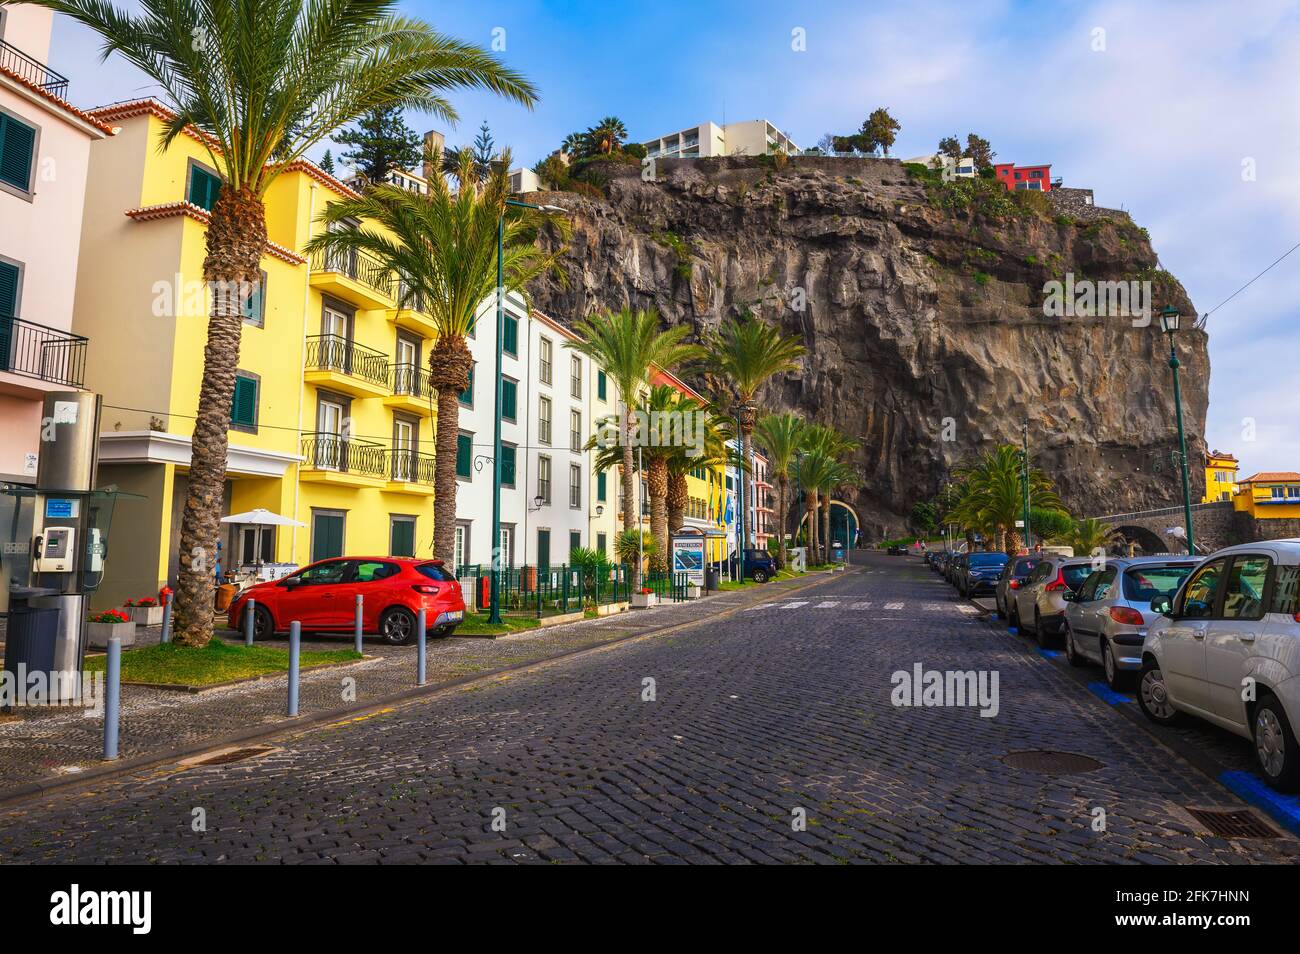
(1220, 477)
(1269, 495)
(332, 415)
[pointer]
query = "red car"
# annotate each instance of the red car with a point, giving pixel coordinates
(323, 598)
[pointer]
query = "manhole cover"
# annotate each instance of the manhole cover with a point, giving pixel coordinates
(1051, 763)
(1241, 823)
(233, 755)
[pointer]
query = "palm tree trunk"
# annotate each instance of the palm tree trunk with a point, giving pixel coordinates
(826, 528)
(678, 498)
(629, 497)
(657, 479)
(450, 362)
(782, 488)
(235, 240)
(811, 501)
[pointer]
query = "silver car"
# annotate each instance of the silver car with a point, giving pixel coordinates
(1038, 607)
(1106, 620)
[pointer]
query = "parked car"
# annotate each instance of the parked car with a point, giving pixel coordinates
(1106, 621)
(322, 597)
(1041, 598)
(1013, 576)
(954, 568)
(1226, 649)
(760, 566)
(897, 549)
(980, 572)
(938, 560)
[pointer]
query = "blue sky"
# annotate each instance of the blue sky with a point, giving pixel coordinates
(1184, 113)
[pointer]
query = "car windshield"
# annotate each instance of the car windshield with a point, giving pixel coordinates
(435, 572)
(988, 559)
(1075, 574)
(1142, 584)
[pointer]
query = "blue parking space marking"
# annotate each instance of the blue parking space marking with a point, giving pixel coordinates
(1013, 631)
(1049, 653)
(1107, 694)
(1284, 809)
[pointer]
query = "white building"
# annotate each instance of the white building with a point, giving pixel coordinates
(755, 137)
(963, 168)
(523, 179)
(551, 501)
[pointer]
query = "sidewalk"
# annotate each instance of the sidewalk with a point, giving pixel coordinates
(43, 745)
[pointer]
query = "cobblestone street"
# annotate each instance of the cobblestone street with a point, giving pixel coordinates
(758, 718)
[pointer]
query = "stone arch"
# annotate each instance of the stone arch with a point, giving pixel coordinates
(1149, 541)
(844, 523)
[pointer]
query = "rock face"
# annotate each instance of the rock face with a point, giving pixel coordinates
(924, 320)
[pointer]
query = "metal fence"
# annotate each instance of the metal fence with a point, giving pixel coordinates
(530, 590)
(337, 353)
(32, 70)
(37, 351)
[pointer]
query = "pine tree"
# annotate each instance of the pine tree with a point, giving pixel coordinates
(327, 162)
(380, 142)
(484, 145)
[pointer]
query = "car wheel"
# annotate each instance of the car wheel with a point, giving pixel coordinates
(448, 631)
(1013, 617)
(1275, 746)
(1153, 696)
(1071, 653)
(1116, 678)
(397, 626)
(263, 624)
(997, 608)
(760, 576)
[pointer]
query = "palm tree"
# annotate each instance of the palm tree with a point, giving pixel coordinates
(444, 247)
(742, 356)
(815, 469)
(834, 447)
(263, 81)
(629, 346)
(780, 436)
(608, 135)
(841, 477)
(994, 495)
(1090, 535)
(717, 431)
(575, 145)
(630, 546)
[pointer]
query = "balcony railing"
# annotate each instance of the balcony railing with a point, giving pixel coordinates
(336, 353)
(357, 266)
(408, 465)
(409, 379)
(325, 451)
(405, 298)
(34, 71)
(36, 351)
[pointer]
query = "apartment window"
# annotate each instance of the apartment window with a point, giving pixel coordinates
(600, 385)
(401, 535)
(544, 360)
(575, 485)
(327, 528)
(507, 465)
(461, 546)
(1293, 492)
(10, 276)
(544, 420)
(575, 376)
(17, 152)
(465, 456)
(601, 542)
(510, 337)
(243, 403)
(575, 541)
(466, 397)
(544, 550)
(544, 479)
(1276, 492)
(253, 305)
(575, 431)
(600, 487)
(509, 399)
(203, 188)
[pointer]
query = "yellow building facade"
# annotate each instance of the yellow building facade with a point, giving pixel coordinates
(332, 419)
(1269, 495)
(1220, 476)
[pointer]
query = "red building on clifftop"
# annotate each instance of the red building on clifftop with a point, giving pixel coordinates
(1038, 178)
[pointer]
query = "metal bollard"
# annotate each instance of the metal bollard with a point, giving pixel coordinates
(357, 633)
(295, 638)
(419, 642)
(167, 619)
(112, 695)
(249, 609)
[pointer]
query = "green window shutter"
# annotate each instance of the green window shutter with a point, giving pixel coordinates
(17, 140)
(509, 399)
(403, 539)
(467, 396)
(600, 486)
(464, 455)
(575, 540)
(543, 550)
(600, 385)
(326, 537)
(8, 289)
(251, 307)
(243, 405)
(508, 466)
(204, 187)
(510, 340)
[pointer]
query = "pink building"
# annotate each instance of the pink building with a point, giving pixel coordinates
(44, 151)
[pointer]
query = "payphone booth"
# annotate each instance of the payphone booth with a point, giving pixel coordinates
(53, 543)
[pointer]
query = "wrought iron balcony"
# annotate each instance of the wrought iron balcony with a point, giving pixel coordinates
(34, 71)
(36, 351)
(336, 353)
(357, 266)
(409, 379)
(325, 451)
(408, 465)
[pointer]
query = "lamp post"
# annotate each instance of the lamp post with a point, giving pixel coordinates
(1024, 476)
(1169, 318)
(494, 612)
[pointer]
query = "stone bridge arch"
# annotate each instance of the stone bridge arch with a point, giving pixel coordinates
(1212, 525)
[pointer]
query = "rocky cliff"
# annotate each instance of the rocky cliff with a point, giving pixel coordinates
(922, 307)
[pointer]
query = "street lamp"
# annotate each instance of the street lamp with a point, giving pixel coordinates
(494, 613)
(1169, 318)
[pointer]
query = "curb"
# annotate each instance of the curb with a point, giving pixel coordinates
(302, 723)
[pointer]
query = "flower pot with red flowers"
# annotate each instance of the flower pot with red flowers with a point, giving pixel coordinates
(146, 611)
(645, 599)
(101, 627)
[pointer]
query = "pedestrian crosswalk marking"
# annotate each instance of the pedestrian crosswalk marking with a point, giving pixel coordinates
(862, 604)
(893, 606)
(865, 605)
(796, 604)
(827, 603)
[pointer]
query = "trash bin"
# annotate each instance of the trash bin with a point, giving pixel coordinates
(30, 642)
(712, 578)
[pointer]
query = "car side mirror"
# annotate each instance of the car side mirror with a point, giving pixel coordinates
(1071, 597)
(1161, 605)
(289, 582)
